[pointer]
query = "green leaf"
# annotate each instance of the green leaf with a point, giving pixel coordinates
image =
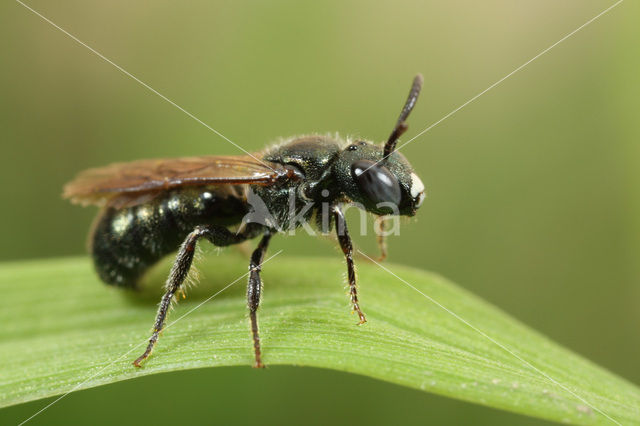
(63, 330)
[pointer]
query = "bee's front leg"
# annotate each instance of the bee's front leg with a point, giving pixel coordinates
(381, 237)
(347, 248)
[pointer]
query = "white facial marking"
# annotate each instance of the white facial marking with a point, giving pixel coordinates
(417, 187)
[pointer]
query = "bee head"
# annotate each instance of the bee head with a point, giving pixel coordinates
(383, 186)
(381, 179)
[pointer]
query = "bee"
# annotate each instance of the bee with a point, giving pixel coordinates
(150, 208)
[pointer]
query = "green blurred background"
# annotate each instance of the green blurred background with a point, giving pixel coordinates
(532, 188)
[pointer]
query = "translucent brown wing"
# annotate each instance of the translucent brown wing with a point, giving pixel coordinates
(141, 180)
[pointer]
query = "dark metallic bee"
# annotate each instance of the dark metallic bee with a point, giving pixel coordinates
(153, 207)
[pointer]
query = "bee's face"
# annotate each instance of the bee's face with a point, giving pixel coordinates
(382, 187)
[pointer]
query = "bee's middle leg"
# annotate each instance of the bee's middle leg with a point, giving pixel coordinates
(254, 290)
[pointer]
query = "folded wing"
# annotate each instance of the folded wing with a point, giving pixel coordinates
(137, 181)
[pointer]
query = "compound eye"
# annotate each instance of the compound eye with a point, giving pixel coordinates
(376, 182)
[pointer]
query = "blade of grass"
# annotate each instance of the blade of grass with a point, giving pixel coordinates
(64, 330)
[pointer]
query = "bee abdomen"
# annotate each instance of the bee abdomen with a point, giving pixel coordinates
(126, 242)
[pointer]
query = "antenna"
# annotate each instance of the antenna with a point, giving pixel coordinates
(401, 125)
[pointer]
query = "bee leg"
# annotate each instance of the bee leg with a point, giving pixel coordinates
(218, 236)
(254, 289)
(381, 237)
(347, 249)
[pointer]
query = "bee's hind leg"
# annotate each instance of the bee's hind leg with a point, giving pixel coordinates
(218, 236)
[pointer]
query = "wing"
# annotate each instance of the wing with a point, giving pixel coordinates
(142, 180)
